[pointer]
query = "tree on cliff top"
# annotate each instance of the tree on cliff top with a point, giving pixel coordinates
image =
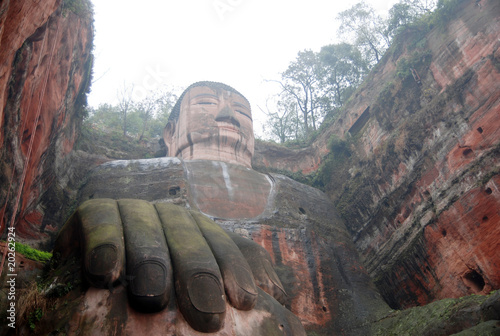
(302, 81)
(344, 68)
(368, 30)
(314, 84)
(406, 12)
(124, 104)
(283, 119)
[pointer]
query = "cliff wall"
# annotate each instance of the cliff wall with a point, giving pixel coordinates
(413, 167)
(45, 48)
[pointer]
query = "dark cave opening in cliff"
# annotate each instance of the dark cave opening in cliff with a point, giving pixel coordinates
(173, 191)
(467, 152)
(474, 280)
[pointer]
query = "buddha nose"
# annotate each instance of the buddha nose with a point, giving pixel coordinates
(227, 114)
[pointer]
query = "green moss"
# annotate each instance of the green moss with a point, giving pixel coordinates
(81, 99)
(353, 194)
(340, 152)
(32, 253)
(439, 317)
(333, 164)
(384, 105)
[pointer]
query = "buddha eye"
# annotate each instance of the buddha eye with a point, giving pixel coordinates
(205, 103)
(245, 114)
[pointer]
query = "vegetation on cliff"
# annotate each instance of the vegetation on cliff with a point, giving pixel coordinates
(318, 84)
(32, 253)
(401, 93)
(131, 129)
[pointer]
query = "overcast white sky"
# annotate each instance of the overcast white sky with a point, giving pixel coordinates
(155, 43)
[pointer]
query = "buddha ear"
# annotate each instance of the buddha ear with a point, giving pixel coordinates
(168, 135)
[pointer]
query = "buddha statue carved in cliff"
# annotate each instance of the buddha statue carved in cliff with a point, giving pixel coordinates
(207, 245)
(157, 245)
(211, 129)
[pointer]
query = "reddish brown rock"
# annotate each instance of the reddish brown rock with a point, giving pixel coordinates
(280, 158)
(463, 243)
(46, 60)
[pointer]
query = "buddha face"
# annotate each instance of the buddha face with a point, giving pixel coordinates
(213, 124)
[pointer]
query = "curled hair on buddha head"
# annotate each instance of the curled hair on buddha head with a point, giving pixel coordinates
(174, 115)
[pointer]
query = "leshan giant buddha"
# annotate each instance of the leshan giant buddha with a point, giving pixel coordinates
(210, 133)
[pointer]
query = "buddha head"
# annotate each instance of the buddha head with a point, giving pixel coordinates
(211, 121)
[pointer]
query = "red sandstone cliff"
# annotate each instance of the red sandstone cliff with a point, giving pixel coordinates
(45, 69)
(413, 169)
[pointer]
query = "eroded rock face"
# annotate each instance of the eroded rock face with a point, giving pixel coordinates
(414, 169)
(45, 71)
(431, 229)
(280, 158)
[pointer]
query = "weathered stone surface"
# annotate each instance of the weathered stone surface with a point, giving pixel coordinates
(490, 309)
(489, 328)
(310, 246)
(46, 62)
(160, 179)
(230, 191)
(269, 155)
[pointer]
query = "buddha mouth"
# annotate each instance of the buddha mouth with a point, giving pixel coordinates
(228, 120)
(227, 125)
